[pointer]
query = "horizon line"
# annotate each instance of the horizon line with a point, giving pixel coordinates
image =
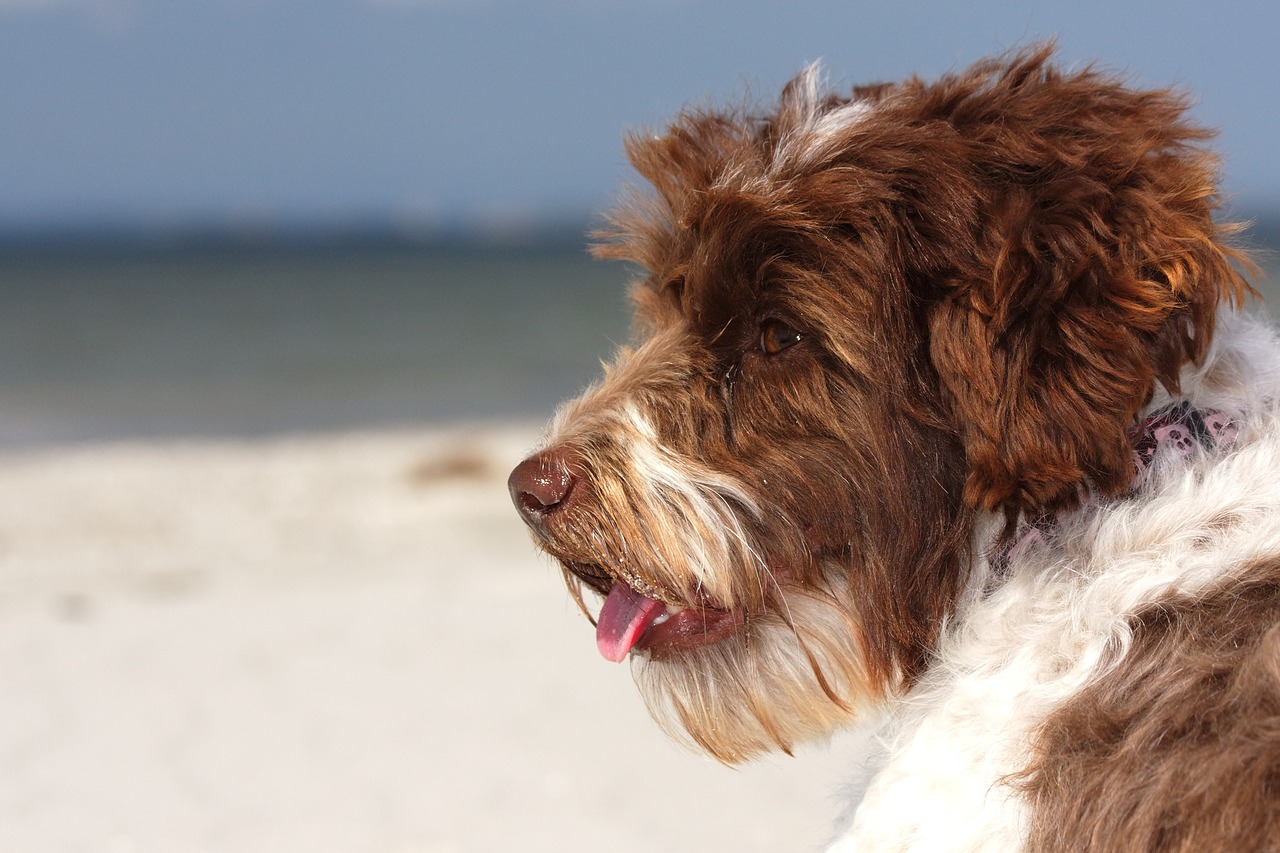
(527, 231)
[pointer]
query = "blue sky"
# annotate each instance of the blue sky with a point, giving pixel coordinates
(326, 111)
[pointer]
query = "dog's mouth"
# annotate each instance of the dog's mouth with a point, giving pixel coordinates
(630, 620)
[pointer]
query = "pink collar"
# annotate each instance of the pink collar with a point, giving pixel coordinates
(1178, 428)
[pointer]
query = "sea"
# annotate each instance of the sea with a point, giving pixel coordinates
(216, 336)
(107, 337)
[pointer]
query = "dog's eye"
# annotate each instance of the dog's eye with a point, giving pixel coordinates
(673, 289)
(775, 336)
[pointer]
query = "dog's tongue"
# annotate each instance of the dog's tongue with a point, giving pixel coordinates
(623, 619)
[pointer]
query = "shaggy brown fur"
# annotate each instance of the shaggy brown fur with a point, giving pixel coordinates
(862, 321)
(1177, 749)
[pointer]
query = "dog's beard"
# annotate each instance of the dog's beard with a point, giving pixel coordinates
(792, 671)
(792, 674)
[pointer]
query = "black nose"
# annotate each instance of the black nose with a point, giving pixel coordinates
(542, 485)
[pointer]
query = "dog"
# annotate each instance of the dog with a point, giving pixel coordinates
(943, 409)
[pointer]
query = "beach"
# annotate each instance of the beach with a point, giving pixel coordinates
(337, 642)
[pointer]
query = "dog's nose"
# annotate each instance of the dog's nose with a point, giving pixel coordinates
(541, 485)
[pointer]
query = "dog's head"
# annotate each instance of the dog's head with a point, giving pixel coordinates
(864, 321)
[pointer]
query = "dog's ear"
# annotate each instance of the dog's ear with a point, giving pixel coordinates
(1096, 272)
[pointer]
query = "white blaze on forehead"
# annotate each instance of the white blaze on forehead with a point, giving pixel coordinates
(810, 131)
(840, 119)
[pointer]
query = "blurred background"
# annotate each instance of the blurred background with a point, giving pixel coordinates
(251, 216)
(285, 288)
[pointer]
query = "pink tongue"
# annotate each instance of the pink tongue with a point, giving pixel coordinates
(624, 618)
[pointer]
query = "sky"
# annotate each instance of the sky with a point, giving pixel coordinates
(425, 112)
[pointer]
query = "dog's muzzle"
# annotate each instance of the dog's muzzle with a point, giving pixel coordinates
(547, 490)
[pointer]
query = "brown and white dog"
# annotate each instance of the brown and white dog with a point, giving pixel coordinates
(940, 407)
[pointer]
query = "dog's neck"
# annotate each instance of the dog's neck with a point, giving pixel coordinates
(1177, 432)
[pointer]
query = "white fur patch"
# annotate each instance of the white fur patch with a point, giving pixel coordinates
(702, 508)
(813, 133)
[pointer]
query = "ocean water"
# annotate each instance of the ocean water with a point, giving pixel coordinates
(230, 338)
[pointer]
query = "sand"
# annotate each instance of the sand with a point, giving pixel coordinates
(331, 643)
